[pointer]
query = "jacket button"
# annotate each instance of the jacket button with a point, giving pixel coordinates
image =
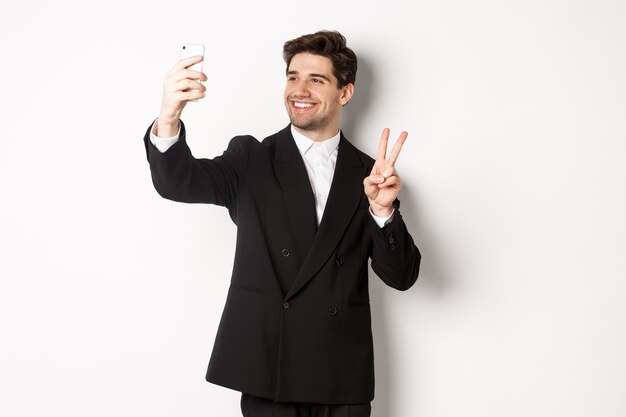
(285, 252)
(285, 305)
(339, 261)
(332, 311)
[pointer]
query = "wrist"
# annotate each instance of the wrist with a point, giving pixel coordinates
(166, 128)
(381, 211)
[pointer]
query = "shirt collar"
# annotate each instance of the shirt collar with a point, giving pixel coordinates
(304, 144)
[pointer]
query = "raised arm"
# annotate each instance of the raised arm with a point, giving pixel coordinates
(176, 174)
(395, 258)
(179, 86)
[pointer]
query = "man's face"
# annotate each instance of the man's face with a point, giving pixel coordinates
(312, 98)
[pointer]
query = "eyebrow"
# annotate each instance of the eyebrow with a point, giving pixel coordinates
(311, 75)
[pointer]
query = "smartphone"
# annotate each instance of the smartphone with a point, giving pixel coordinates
(191, 49)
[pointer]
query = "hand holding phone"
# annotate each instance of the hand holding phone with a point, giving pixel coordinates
(189, 50)
(178, 86)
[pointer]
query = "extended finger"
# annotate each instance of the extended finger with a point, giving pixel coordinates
(395, 151)
(382, 145)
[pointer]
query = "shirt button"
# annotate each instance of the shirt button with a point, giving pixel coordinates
(285, 252)
(339, 262)
(285, 305)
(333, 311)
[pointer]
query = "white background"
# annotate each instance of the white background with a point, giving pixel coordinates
(515, 192)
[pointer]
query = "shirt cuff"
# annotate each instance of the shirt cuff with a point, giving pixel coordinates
(382, 221)
(162, 144)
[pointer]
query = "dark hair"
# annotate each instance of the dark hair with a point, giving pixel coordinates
(330, 44)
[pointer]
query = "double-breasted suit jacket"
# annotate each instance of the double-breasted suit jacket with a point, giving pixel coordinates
(296, 324)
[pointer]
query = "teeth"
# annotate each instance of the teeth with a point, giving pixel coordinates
(302, 105)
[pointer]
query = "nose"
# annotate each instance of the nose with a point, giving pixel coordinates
(300, 89)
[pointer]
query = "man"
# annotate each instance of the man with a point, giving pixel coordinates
(295, 336)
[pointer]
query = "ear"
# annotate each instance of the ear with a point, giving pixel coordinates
(346, 94)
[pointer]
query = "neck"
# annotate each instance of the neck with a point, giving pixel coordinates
(318, 135)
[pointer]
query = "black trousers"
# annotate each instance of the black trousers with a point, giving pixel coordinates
(252, 406)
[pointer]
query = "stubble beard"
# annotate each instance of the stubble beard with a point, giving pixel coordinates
(311, 122)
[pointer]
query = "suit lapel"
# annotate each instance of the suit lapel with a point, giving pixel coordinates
(345, 192)
(294, 182)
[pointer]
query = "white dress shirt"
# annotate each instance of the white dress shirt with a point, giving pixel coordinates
(319, 159)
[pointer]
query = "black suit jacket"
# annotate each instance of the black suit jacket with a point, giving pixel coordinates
(296, 323)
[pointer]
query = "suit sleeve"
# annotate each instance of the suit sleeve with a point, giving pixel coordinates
(178, 176)
(395, 258)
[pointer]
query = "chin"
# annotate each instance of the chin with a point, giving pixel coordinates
(305, 126)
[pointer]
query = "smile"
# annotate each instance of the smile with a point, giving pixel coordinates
(302, 105)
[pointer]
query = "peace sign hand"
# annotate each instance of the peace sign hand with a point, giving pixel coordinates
(383, 184)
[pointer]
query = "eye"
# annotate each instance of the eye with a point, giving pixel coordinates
(291, 78)
(316, 81)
